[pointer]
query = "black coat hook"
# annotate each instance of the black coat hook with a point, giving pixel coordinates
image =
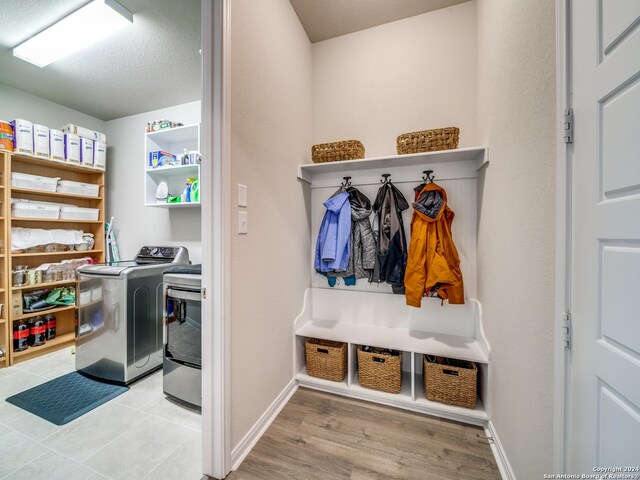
(386, 178)
(428, 176)
(346, 182)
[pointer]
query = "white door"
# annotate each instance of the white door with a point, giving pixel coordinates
(604, 381)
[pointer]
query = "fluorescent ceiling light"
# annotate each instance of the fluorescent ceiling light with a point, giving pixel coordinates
(89, 24)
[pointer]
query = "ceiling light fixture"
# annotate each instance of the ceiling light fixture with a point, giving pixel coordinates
(89, 24)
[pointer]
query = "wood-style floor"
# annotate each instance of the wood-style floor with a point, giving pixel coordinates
(322, 436)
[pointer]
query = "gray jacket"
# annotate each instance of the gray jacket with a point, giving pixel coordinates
(362, 256)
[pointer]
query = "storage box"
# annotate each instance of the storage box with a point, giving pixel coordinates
(78, 188)
(79, 213)
(71, 148)
(23, 136)
(56, 144)
(84, 132)
(96, 294)
(162, 159)
(86, 152)
(380, 369)
(34, 182)
(16, 304)
(450, 381)
(326, 359)
(84, 297)
(41, 141)
(34, 210)
(99, 155)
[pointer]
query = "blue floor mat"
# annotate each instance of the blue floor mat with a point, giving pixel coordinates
(66, 398)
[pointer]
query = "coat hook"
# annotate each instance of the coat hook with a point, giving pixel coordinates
(346, 182)
(386, 178)
(428, 176)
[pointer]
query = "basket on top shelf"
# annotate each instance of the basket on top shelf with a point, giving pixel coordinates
(450, 381)
(336, 151)
(326, 359)
(380, 369)
(428, 140)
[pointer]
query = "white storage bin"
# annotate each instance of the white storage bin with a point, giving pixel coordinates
(85, 297)
(79, 213)
(34, 210)
(34, 182)
(77, 188)
(96, 294)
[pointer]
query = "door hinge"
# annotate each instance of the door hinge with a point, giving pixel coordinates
(567, 127)
(566, 330)
(204, 293)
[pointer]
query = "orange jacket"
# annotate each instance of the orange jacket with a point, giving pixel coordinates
(433, 264)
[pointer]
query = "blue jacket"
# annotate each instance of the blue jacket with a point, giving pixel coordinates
(332, 246)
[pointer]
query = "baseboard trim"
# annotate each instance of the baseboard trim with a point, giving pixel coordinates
(506, 472)
(240, 451)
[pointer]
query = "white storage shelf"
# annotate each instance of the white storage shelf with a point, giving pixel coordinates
(174, 141)
(368, 314)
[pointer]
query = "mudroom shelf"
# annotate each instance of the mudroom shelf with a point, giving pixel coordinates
(467, 161)
(463, 348)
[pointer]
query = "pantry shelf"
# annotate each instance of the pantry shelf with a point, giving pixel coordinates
(57, 343)
(57, 164)
(44, 285)
(43, 312)
(56, 254)
(15, 168)
(54, 220)
(43, 193)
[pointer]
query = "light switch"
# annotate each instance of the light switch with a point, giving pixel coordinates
(242, 195)
(243, 219)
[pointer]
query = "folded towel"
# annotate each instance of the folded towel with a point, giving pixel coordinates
(22, 238)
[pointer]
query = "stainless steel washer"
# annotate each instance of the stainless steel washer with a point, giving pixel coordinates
(119, 336)
(182, 363)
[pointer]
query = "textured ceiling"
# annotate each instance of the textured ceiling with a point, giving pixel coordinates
(153, 64)
(325, 19)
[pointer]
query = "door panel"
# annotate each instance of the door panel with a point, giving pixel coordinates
(621, 272)
(604, 367)
(618, 419)
(619, 17)
(620, 122)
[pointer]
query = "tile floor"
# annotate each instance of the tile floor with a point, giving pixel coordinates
(138, 435)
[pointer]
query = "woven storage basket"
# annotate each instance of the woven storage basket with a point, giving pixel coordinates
(336, 151)
(326, 359)
(379, 371)
(450, 381)
(428, 140)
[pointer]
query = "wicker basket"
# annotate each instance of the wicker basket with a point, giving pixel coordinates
(450, 381)
(428, 140)
(336, 151)
(326, 359)
(380, 371)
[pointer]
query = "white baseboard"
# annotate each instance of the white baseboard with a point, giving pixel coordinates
(506, 472)
(245, 446)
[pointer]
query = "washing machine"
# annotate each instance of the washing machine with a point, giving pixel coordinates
(120, 311)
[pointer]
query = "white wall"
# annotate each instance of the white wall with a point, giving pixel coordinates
(15, 103)
(270, 135)
(413, 74)
(516, 264)
(135, 224)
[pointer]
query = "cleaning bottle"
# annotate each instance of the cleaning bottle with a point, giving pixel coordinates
(186, 195)
(195, 191)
